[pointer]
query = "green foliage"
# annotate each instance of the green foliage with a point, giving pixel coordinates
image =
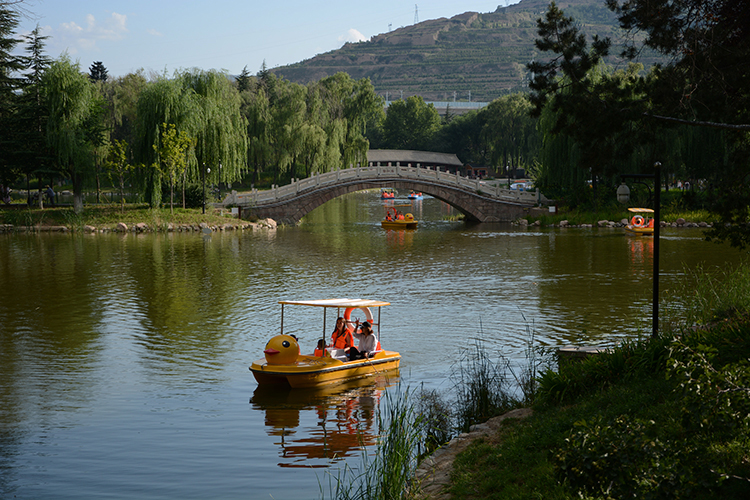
(72, 124)
(410, 124)
(630, 360)
(172, 150)
(436, 420)
(481, 388)
(598, 459)
(715, 294)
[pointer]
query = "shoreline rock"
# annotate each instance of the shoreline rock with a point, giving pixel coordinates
(142, 227)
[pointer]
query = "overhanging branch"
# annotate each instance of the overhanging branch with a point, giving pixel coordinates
(723, 126)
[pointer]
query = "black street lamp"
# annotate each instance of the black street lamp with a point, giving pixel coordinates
(203, 176)
(656, 176)
(203, 179)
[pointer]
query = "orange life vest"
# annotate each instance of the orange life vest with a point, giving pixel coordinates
(343, 341)
(320, 352)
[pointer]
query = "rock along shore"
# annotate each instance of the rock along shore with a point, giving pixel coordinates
(608, 223)
(142, 227)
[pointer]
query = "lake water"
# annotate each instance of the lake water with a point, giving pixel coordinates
(124, 358)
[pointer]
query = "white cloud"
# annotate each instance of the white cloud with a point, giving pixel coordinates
(77, 37)
(352, 35)
(154, 32)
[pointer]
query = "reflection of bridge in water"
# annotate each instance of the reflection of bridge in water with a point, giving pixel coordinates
(476, 199)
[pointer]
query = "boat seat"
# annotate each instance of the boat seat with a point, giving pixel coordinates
(339, 354)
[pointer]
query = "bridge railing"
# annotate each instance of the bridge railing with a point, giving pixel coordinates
(301, 186)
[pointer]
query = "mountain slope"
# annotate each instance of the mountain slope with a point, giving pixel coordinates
(478, 56)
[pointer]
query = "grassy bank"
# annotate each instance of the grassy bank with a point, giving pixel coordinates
(108, 216)
(667, 417)
(578, 217)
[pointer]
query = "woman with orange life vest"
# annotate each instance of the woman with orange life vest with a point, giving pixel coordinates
(342, 338)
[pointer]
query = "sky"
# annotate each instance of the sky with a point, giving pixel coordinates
(161, 36)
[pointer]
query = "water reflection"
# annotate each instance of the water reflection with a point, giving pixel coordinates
(344, 417)
(641, 250)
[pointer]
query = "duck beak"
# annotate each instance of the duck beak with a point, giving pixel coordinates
(271, 350)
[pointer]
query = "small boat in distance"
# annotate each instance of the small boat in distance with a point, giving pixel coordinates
(394, 219)
(642, 225)
(415, 196)
(387, 194)
(285, 365)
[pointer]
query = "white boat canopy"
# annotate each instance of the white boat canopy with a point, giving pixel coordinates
(336, 303)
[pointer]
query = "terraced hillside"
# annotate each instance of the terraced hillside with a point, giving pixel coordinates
(481, 55)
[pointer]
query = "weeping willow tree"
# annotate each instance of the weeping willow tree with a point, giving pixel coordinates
(161, 101)
(70, 95)
(203, 105)
(221, 138)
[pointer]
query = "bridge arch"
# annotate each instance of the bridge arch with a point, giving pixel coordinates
(478, 201)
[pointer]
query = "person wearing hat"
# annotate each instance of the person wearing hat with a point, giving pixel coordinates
(367, 341)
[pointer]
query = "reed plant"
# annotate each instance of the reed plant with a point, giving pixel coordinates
(710, 295)
(387, 475)
(482, 387)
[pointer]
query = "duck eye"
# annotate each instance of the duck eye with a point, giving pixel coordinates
(286, 343)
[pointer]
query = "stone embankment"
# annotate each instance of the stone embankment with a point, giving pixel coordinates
(142, 227)
(608, 223)
(433, 475)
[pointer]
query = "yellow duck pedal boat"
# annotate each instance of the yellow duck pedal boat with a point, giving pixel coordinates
(284, 364)
(394, 219)
(641, 225)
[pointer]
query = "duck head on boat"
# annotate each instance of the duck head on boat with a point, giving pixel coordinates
(284, 363)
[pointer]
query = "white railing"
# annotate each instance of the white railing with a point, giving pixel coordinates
(434, 176)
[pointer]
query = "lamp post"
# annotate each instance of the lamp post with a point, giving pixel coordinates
(623, 195)
(203, 179)
(204, 172)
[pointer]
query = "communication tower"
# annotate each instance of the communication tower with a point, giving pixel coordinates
(416, 14)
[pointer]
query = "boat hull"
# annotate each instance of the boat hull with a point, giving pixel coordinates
(639, 231)
(399, 224)
(311, 371)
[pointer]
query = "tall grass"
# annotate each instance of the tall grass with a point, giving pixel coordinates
(388, 475)
(714, 295)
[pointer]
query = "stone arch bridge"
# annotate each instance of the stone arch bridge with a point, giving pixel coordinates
(477, 200)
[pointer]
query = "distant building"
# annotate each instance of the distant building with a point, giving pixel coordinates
(404, 158)
(455, 107)
(476, 171)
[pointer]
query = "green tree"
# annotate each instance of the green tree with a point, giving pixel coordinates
(410, 124)
(221, 140)
(97, 72)
(510, 132)
(172, 152)
(10, 83)
(163, 100)
(704, 84)
(117, 167)
(69, 96)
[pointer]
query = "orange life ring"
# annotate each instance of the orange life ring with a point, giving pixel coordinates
(638, 221)
(368, 315)
(366, 310)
